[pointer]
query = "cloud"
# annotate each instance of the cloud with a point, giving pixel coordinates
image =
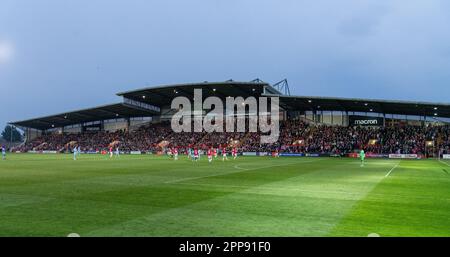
(6, 51)
(363, 22)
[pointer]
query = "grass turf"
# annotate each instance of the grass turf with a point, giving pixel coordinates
(52, 195)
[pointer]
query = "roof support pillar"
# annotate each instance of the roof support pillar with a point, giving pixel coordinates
(347, 119)
(332, 118)
(128, 123)
(27, 135)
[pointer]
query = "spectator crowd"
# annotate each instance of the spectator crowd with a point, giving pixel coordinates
(296, 136)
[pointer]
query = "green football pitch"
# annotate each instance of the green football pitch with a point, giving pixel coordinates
(52, 195)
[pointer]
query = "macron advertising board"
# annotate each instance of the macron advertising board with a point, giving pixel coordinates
(365, 121)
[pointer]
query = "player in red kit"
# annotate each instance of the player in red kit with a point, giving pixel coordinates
(210, 152)
(195, 154)
(215, 152)
(224, 154)
(175, 153)
(234, 153)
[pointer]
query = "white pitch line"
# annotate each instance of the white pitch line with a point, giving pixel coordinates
(296, 189)
(239, 168)
(444, 163)
(392, 170)
(236, 167)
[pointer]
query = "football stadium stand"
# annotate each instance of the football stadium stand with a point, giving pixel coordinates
(319, 125)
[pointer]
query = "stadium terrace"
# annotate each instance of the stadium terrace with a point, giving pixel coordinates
(140, 122)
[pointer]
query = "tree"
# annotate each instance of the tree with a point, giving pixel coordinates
(11, 134)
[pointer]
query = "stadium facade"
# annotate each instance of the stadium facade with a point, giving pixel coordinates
(153, 104)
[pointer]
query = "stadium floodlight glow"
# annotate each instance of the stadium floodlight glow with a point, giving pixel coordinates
(53, 125)
(6, 51)
(143, 96)
(318, 107)
(435, 114)
(371, 110)
(373, 141)
(366, 104)
(309, 101)
(117, 115)
(214, 89)
(435, 108)
(253, 89)
(65, 116)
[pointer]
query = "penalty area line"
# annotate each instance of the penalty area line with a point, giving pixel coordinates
(276, 165)
(387, 175)
(238, 170)
(444, 163)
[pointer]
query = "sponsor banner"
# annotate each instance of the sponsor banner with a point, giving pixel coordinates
(263, 154)
(365, 121)
(375, 155)
(49, 152)
(93, 127)
(353, 155)
(369, 155)
(249, 153)
(90, 152)
(135, 152)
(403, 156)
(446, 156)
(313, 155)
(18, 152)
(293, 154)
(44, 152)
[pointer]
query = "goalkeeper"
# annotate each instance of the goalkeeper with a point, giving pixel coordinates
(362, 155)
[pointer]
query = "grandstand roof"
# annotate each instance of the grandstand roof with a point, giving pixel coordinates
(104, 112)
(148, 101)
(364, 105)
(163, 95)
